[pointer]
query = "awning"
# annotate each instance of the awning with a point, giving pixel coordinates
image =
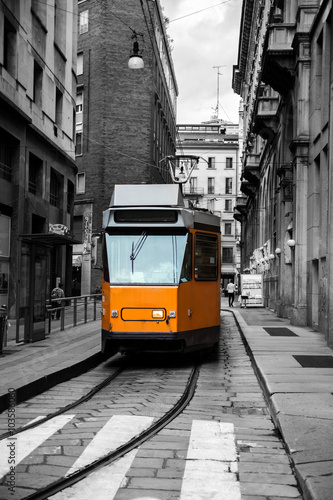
(50, 239)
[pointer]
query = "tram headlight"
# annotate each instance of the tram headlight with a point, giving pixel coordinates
(172, 314)
(158, 314)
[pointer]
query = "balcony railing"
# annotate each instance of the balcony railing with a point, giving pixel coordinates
(191, 190)
(6, 172)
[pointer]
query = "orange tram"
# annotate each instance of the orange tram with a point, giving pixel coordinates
(161, 272)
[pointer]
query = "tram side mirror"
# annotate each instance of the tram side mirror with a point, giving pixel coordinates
(95, 251)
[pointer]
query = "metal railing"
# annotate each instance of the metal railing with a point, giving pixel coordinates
(72, 311)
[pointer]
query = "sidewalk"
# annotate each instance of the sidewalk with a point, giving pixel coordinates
(295, 369)
(293, 364)
(32, 368)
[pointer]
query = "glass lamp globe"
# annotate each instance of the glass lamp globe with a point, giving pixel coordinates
(136, 62)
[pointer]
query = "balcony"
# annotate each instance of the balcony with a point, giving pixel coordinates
(248, 189)
(285, 173)
(241, 204)
(278, 60)
(240, 209)
(191, 191)
(266, 115)
(251, 170)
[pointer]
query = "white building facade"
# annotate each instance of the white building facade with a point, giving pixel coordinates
(213, 184)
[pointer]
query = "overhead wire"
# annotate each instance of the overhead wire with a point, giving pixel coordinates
(198, 11)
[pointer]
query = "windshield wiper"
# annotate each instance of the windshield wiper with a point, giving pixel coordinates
(137, 247)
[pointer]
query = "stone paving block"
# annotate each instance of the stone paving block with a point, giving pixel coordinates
(60, 460)
(263, 458)
(34, 459)
(73, 451)
(48, 450)
(154, 453)
(48, 470)
(20, 493)
(260, 478)
(259, 467)
(152, 463)
(138, 472)
(270, 490)
(136, 494)
(157, 484)
(316, 478)
(170, 473)
(35, 481)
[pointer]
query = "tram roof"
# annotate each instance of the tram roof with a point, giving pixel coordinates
(147, 195)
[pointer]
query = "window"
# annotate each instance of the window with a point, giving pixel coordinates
(228, 162)
(55, 189)
(193, 184)
(58, 108)
(228, 206)
(227, 255)
(7, 155)
(79, 107)
(78, 143)
(37, 84)
(83, 22)
(228, 185)
(211, 185)
(79, 64)
(9, 48)
(147, 257)
(39, 8)
(211, 162)
(70, 196)
(80, 183)
(206, 257)
(35, 184)
(227, 228)
(78, 227)
(60, 12)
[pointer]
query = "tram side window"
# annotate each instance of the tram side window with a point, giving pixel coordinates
(186, 273)
(206, 257)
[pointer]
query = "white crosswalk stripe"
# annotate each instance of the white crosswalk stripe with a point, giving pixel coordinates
(14, 449)
(105, 482)
(211, 463)
(210, 466)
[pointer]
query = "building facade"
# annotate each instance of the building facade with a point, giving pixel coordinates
(37, 160)
(214, 183)
(284, 75)
(126, 118)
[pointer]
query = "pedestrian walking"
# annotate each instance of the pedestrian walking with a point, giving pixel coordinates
(231, 293)
(57, 293)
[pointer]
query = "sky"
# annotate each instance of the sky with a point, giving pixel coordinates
(202, 40)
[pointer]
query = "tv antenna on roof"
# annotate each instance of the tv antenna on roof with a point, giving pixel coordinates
(218, 88)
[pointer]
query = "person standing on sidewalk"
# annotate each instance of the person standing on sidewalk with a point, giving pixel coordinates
(231, 293)
(58, 293)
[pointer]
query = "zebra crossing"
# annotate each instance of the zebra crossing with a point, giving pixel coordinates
(210, 465)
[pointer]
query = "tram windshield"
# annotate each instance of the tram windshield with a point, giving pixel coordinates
(147, 258)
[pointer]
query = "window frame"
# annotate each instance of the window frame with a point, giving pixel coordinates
(207, 240)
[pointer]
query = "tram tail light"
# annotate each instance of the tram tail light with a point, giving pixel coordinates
(114, 314)
(172, 314)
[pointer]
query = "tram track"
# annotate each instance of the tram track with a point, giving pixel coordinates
(107, 459)
(83, 399)
(112, 456)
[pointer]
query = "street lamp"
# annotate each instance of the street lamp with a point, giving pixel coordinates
(291, 244)
(135, 61)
